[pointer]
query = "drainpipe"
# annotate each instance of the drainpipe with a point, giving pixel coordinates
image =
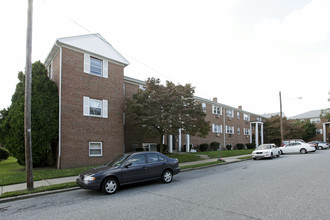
(224, 128)
(59, 109)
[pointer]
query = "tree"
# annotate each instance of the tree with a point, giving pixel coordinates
(160, 110)
(325, 113)
(44, 118)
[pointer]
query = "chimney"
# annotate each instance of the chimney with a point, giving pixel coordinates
(240, 107)
(215, 99)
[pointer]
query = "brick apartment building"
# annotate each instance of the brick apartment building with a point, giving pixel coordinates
(321, 124)
(93, 129)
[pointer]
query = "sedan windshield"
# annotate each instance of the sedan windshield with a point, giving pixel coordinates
(118, 160)
(264, 147)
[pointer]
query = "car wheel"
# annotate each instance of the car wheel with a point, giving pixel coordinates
(278, 154)
(281, 152)
(272, 156)
(254, 158)
(303, 151)
(167, 176)
(110, 186)
(320, 148)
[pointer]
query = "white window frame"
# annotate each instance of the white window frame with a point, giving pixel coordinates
(246, 117)
(216, 128)
(50, 70)
(246, 131)
(230, 113)
(319, 131)
(238, 131)
(86, 107)
(87, 65)
(204, 107)
(315, 120)
(230, 129)
(216, 110)
(238, 115)
(93, 148)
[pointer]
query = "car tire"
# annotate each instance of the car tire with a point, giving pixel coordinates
(110, 186)
(281, 152)
(303, 151)
(272, 156)
(320, 148)
(278, 154)
(167, 176)
(254, 158)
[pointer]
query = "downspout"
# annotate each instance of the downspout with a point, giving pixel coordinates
(224, 128)
(59, 109)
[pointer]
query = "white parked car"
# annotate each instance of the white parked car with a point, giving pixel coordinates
(297, 147)
(321, 145)
(266, 151)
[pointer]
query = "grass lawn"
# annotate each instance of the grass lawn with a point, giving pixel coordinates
(185, 157)
(11, 172)
(226, 153)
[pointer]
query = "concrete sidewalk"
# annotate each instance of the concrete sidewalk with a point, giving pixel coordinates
(48, 182)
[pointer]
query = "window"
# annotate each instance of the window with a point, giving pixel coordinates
(137, 160)
(95, 107)
(95, 149)
(315, 120)
(95, 66)
(246, 117)
(230, 113)
(246, 131)
(229, 129)
(216, 110)
(319, 131)
(204, 107)
(238, 130)
(238, 115)
(154, 158)
(50, 70)
(216, 128)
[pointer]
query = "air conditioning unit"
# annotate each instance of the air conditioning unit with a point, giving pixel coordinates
(229, 118)
(218, 116)
(218, 135)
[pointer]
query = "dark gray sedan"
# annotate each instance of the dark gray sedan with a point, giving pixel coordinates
(127, 169)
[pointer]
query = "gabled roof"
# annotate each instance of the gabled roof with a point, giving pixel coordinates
(307, 115)
(91, 43)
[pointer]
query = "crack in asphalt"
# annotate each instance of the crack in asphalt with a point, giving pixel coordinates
(200, 205)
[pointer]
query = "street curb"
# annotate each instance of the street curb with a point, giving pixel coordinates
(33, 195)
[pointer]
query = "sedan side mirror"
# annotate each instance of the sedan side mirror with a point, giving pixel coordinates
(128, 164)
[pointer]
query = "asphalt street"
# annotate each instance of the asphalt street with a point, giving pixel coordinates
(290, 187)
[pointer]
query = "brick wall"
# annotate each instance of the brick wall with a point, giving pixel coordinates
(78, 130)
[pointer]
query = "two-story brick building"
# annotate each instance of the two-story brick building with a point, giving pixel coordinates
(93, 128)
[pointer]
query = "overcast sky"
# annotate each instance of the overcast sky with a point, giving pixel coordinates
(241, 51)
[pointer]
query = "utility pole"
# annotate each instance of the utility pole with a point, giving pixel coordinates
(27, 106)
(281, 118)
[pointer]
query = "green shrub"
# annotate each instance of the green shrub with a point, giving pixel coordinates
(184, 148)
(229, 146)
(4, 153)
(203, 147)
(240, 146)
(164, 148)
(215, 145)
(251, 145)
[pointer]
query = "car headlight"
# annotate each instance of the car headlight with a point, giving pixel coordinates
(88, 178)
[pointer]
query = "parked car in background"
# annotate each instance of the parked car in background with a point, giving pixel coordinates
(284, 142)
(266, 151)
(127, 169)
(297, 147)
(320, 144)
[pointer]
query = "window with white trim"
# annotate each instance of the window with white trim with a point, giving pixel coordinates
(204, 107)
(246, 131)
(315, 120)
(238, 130)
(216, 128)
(319, 131)
(95, 149)
(95, 107)
(229, 129)
(95, 66)
(238, 115)
(246, 117)
(216, 110)
(50, 70)
(230, 113)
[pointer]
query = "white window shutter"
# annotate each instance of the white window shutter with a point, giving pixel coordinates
(87, 63)
(86, 106)
(105, 68)
(105, 108)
